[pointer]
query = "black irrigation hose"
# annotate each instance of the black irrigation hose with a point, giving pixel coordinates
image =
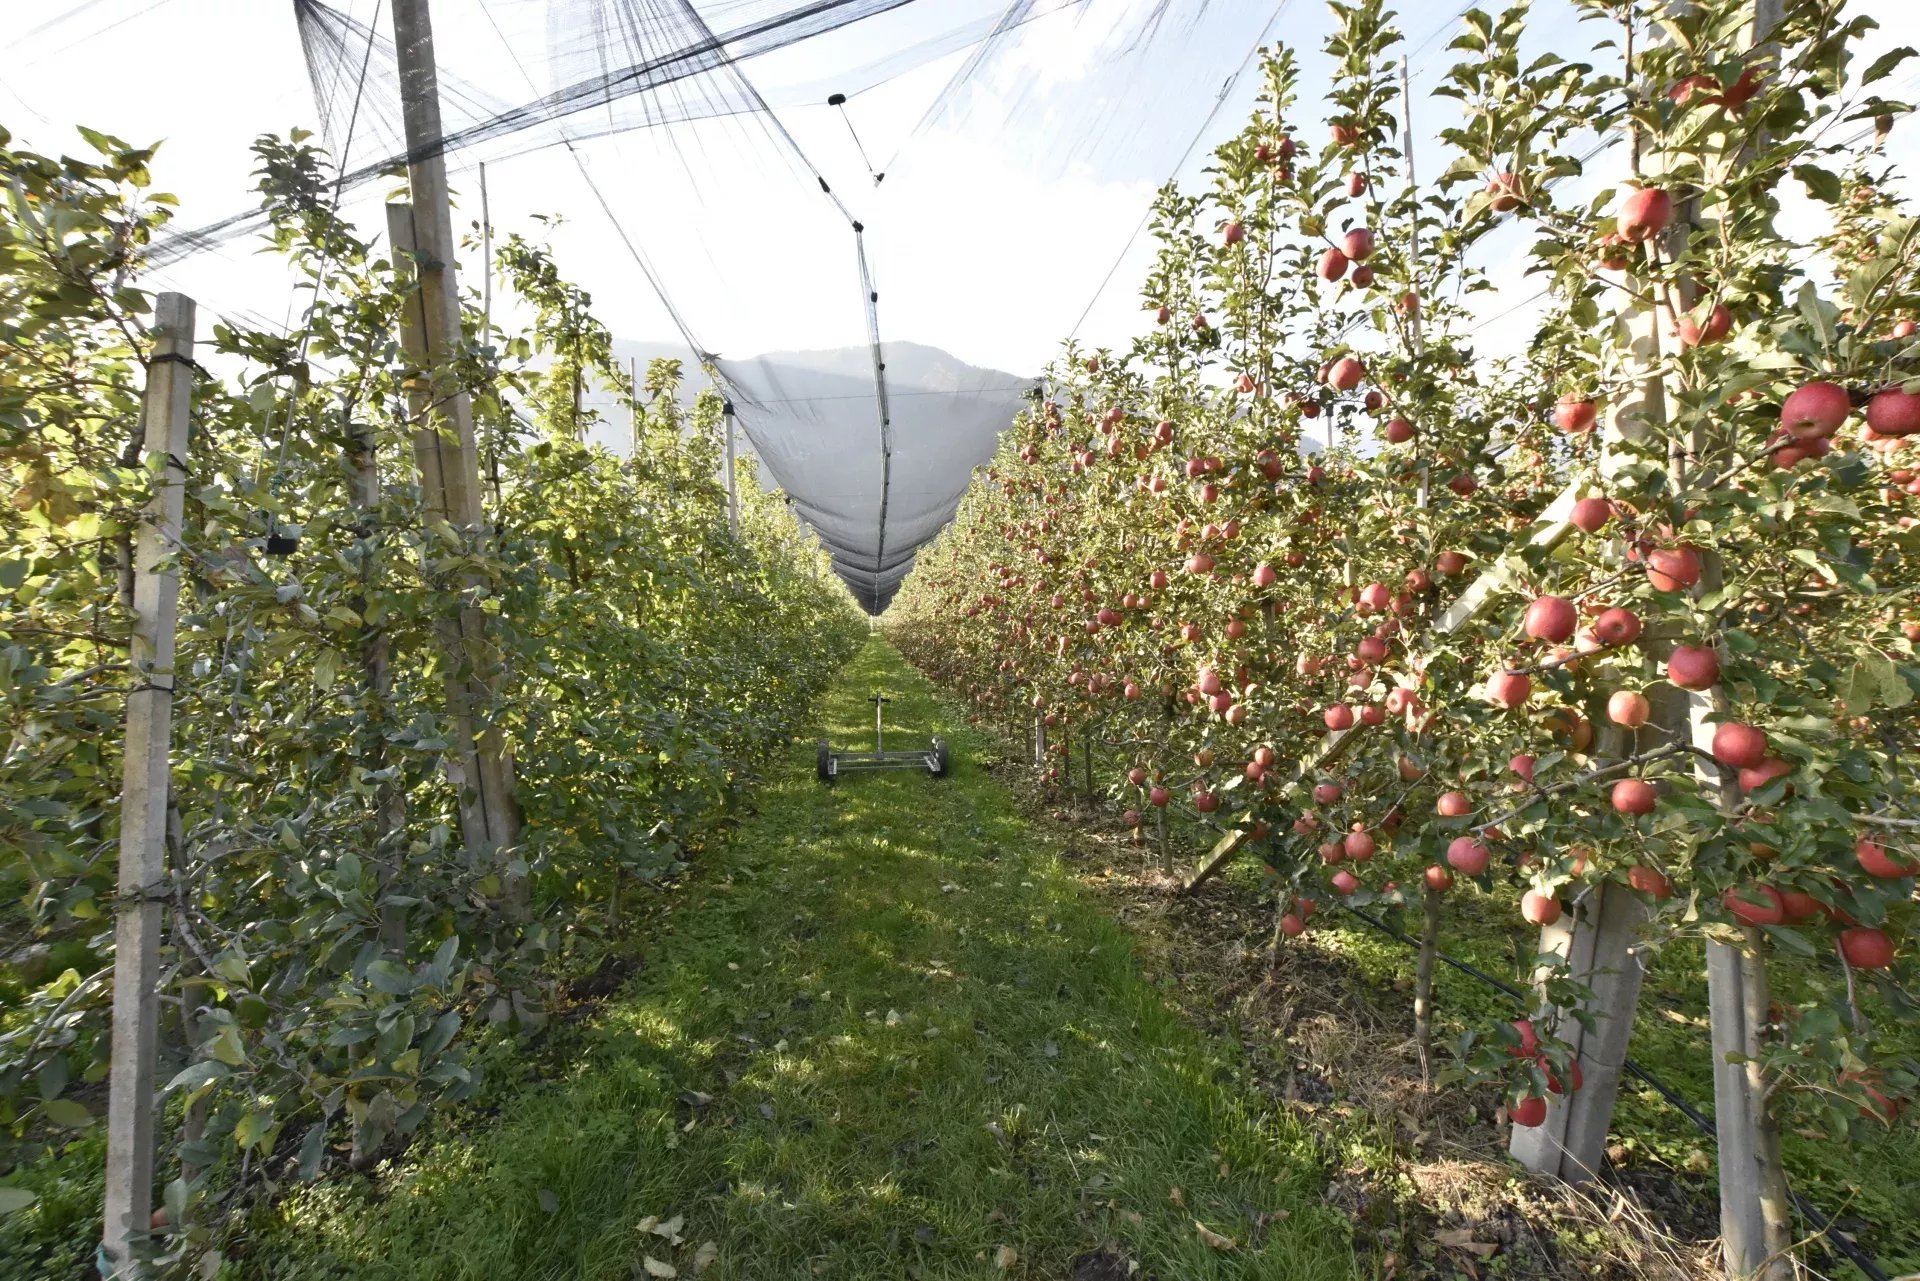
(1845, 1244)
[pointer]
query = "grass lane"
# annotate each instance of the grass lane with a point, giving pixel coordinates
(884, 1033)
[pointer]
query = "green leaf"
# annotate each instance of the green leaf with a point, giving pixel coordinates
(1821, 184)
(252, 1128)
(389, 977)
(205, 1072)
(227, 1048)
(53, 1077)
(326, 670)
(313, 1147)
(68, 1114)
(13, 1200)
(1883, 65)
(441, 1034)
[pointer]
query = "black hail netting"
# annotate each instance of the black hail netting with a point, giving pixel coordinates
(862, 316)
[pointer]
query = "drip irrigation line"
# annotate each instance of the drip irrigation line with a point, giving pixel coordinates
(1841, 1241)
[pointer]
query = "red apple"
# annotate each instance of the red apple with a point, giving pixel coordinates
(1529, 1040)
(1359, 846)
(1628, 708)
(1755, 777)
(1345, 882)
(1509, 689)
(1505, 190)
(1875, 861)
(1693, 667)
(1797, 906)
(1346, 373)
(1333, 264)
(1617, 626)
(1650, 880)
(1438, 878)
(1399, 431)
(1893, 412)
(1453, 805)
(1717, 325)
(1634, 796)
(1673, 569)
(1755, 905)
(1645, 213)
(1236, 232)
(1866, 948)
(1539, 909)
(1467, 856)
(1575, 414)
(1590, 515)
(1815, 409)
(1529, 1112)
(1739, 746)
(1358, 244)
(1292, 926)
(1553, 1081)
(1551, 618)
(1338, 717)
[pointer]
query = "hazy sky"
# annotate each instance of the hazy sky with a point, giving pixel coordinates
(990, 239)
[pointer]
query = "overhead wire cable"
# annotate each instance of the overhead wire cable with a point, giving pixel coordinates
(640, 260)
(1220, 99)
(712, 52)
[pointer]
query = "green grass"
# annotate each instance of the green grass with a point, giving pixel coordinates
(883, 1033)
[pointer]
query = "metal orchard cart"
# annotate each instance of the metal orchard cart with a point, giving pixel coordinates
(829, 764)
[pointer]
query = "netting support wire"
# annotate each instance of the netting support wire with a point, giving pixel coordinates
(733, 483)
(1841, 1241)
(871, 302)
(840, 100)
(1226, 90)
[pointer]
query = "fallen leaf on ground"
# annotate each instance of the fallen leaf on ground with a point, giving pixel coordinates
(655, 1268)
(1213, 1238)
(704, 1256)
(1005, 1257)
(1462, 1239)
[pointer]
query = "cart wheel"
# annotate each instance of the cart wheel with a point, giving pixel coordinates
(823, 761)
(939, 758)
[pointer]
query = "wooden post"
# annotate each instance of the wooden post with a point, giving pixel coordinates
(478, 765)
(444, 445)
(167, 410)
(1596, 940)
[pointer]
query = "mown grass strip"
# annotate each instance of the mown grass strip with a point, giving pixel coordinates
(885, 1034)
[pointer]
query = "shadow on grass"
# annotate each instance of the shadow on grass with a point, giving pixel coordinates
(884, 1035)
